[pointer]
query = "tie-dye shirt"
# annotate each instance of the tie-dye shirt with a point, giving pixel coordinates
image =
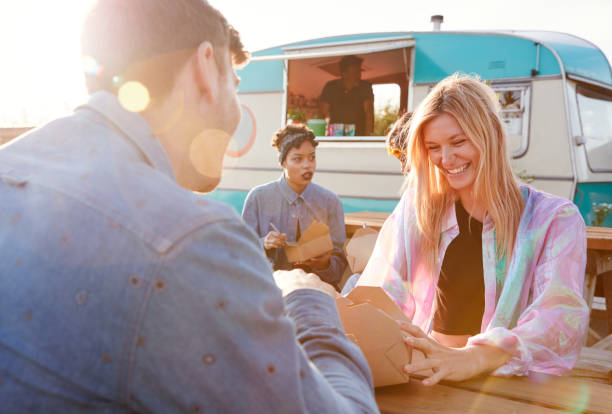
(534, 308)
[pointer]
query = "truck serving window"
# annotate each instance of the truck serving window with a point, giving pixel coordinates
(595, 111)
(387, 71)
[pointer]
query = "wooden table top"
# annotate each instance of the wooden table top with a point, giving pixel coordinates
(599, 238)
(370, 218)
(540, 394)
(594, 364)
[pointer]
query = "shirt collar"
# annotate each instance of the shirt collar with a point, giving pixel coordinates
(288, 192)
(450, 220)
(134, 127)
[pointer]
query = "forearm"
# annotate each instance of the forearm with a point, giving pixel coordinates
(333, 273)
(343, 379)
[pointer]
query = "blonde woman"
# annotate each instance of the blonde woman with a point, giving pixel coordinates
(488, 272)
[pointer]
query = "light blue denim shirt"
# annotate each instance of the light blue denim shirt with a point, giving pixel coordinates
(277, 204)
(122, 292)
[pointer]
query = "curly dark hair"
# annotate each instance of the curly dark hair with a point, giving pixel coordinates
(292, 136)
(396, 139)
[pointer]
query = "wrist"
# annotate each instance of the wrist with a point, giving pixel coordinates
(488, 357)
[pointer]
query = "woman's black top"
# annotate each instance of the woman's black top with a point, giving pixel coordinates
(460, 290)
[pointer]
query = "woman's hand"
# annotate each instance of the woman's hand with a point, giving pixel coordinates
(275, 240)
(455, 364)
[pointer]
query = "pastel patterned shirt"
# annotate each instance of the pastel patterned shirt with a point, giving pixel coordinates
(124, 293)
(534, 308)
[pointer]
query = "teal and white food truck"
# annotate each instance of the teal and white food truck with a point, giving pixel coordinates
(555, 92)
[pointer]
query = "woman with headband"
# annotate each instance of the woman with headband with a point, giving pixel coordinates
(281, 210)
(489, 273)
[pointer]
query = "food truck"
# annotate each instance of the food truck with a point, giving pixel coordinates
(555, 93)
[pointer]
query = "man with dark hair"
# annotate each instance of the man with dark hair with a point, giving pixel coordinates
(122, 291)
(349, 100)
(280, 210)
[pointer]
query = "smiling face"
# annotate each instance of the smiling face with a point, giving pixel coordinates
(299, 166)
(452, 152)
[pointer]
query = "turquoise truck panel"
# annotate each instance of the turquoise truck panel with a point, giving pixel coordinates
(588, 195)
(493, 55)
(236, 198)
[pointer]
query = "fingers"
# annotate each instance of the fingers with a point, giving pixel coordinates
(275, 240)
(411, 329)
(422, 365)
(424, 345)
(435, 378)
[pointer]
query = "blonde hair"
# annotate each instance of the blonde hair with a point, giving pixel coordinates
(475, 107)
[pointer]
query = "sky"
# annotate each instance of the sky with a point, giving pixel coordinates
(40, 62)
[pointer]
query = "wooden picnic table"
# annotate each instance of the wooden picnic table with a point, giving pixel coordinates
(372, 219)
(534, 394)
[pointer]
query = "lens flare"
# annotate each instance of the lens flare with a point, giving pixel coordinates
(582, 398)
(207, 151)
(91, 65)
(134, 96)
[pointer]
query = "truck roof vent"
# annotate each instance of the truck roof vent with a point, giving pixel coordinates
(437, 20)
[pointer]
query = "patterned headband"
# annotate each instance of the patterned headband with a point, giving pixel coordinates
(286, 145)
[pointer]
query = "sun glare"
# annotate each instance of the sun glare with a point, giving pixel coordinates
(41, 73)
(133, 96)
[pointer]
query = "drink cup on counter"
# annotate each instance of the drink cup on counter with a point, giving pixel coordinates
(335, 130)
(349, 130)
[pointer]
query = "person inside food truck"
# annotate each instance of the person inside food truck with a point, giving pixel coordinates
(489, 272)
(349, 100)
(280, 211)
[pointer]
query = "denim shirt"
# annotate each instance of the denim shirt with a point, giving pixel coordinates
(122, 292)
(277, 204)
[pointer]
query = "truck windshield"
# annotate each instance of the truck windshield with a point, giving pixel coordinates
(595, 110)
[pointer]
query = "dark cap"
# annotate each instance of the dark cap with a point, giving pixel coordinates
(349, 60)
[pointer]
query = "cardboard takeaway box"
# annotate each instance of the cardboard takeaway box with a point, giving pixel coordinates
(369, 318)
(314, 242)
(358, 248)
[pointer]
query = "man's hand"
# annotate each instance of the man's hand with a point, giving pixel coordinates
(319, 262)
(290, 280)
(455, 364)
(275, 240)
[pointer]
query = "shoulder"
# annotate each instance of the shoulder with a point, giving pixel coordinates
(325, 194)
(332, 84)
(98, 175)
(263, 190)
(545, 210)
(166, 213)
(540, 202)
(365, 86)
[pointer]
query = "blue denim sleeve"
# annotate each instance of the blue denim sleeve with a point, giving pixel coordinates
(215, 336)
(251, 217)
